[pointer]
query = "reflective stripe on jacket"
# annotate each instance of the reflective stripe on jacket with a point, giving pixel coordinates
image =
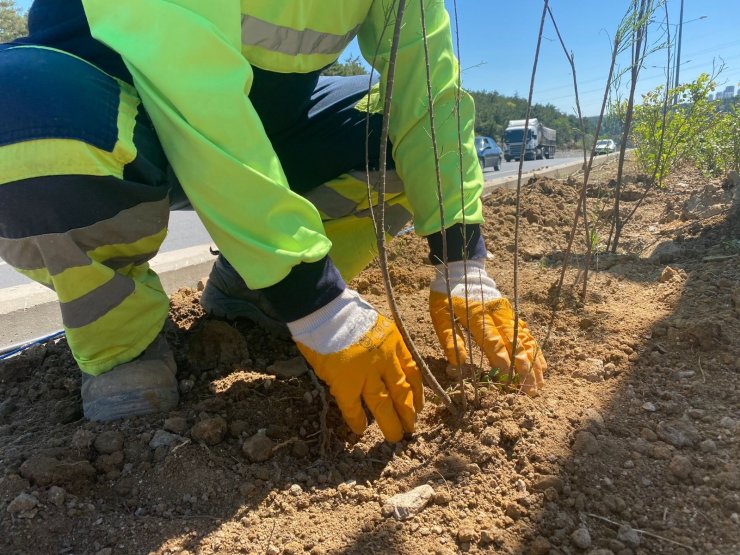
(193, 72)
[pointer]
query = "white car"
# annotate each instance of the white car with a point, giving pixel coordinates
(605, 146)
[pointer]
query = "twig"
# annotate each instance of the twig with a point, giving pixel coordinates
(183, 444)
(515, 338)
(643, 532)
(324, 443)
(269, 541)
(703, 376)
(380, 221)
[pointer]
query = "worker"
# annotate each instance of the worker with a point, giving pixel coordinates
(115, 113)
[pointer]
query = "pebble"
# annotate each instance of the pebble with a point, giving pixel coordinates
(593, 418)
(295, 490)
(82, 439)
(708, 446)
(585, 444)
(161, 438)
(23, 506)
(678, 433)
(727, 423)
(591, 370)
(258, 448)
(629, 464)
(291, 368)
(581, 538)
(628, 536)
(210, 431)
(466, 534)
(272, 550)
(176, 425)
(442, 497)
(488, 536)
(669, 274)
(108, 442)
(681, 467)
(405, 505)
(56, 495)
(648, 406)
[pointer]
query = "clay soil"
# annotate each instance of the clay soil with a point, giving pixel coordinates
(631, 448)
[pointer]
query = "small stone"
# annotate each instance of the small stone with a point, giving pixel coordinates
(585, 444)
(291, 368)
(489, 436)
(591, 370)
(295, 490)
(258, 448)
(510, 431)
(210, 431)
(82, 439)
(628, 536)
(648, 406)
(513, 510)
(540, 546)
(176, 425)
(56, 495)
(108, 442)
(681, 467)
(405, 505)
(708, 446)
(488, 536)
(593, 418)
(272, 550)
(466, 534)
(629, 463)
(727, 423)
(23, 506)
(669, 274)
(678, 433)
(581, 538)
(648, 435)
(292, 548)
(548, 481)
(162, 438)
(442, 497)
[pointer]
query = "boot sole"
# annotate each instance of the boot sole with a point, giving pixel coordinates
(127, 405)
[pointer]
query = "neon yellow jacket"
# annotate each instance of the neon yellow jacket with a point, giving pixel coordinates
(191, 63)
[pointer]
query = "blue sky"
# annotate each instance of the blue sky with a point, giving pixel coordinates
(497, 42)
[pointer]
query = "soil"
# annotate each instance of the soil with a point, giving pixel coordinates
(631, 448)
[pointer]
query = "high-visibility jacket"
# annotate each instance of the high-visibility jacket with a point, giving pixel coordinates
(191, 62)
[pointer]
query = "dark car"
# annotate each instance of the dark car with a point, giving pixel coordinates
(489, 153)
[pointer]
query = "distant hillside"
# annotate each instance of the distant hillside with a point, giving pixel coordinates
(493, 111)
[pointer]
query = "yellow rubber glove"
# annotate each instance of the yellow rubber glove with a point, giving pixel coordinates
(490, 319)
(361, 355)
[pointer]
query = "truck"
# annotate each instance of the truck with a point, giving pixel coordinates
(540, 141)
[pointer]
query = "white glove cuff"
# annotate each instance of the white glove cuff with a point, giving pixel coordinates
(336, 325)
(480, 286)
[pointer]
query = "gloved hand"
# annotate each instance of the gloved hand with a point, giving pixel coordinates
(361, 356)
(491, 324)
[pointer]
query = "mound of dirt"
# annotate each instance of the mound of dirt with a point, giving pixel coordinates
(632, 447)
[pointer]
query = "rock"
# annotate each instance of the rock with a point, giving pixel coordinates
(681, 467)
(591, 370)
(108, 442)
(669, 274)
(176, 424)
(510, 431)
(7, 407)
(295, 490)
(488, 536)
(442, 497)
(708, 446)
(513, 510)
(540, 546)
(162, 438)
(210, 431)
(648, 406)
(628, 536)
(292, 548)
(466, 534)
(47, 470)
(585, 444)
(678, 433)
(56, 495)
(23, 506)
(548, 481)
(291, 368)
(581, 538)
(593, 418)
(258, 448)
(82, 439)
(489, 436)
(272, 550)
(405, 505)
(728, 423)
(216, 343)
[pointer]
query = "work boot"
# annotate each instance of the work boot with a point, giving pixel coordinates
(145, 385)
(227, 296)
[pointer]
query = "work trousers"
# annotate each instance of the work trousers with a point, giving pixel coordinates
(86, 190)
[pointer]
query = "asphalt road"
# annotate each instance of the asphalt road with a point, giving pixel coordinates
(186, 231)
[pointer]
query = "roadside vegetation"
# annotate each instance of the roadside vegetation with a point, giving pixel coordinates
(13, 21)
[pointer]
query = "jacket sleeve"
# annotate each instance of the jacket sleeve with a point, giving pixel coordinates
(409, 127)
(185, 58)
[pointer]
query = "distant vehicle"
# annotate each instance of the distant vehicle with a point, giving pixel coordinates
(605, 146)
(539, 144)
(489, 153)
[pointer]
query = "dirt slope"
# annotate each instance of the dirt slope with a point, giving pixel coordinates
(638, 425)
